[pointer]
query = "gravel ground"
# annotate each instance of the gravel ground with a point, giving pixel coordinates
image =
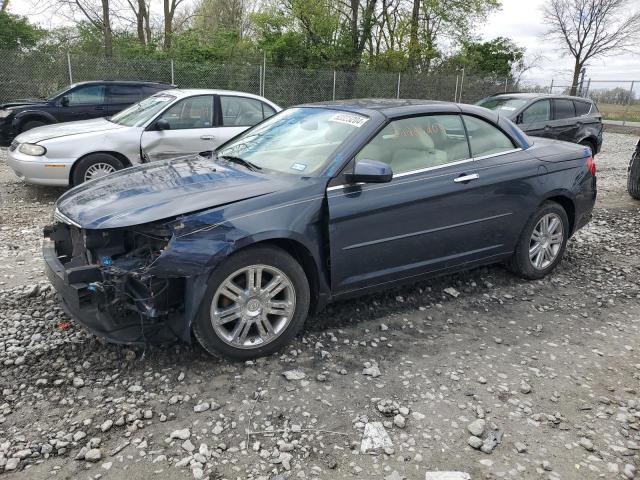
(481, 373)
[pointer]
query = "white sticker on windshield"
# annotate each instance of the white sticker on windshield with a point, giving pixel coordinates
(507, 107)
(349, 118)
(298, 166)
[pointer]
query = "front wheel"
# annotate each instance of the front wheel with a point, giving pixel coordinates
(633, 178)
(256, 302)
(95, 166)
(542, 242)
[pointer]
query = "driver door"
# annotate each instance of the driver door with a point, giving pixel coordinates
(191, 130)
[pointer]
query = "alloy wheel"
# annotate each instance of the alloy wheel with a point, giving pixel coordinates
(253, 306)
(98, 170)
(546, 241)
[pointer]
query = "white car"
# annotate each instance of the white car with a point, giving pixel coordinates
(168, 124)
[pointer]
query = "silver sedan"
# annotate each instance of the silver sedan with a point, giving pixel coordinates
(167, 124)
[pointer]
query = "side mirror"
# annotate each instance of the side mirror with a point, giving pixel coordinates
(370, 171)
(64, 101)
(162, 124)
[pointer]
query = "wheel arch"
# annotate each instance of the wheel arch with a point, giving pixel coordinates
(122, 158)
(30, 115)
(592, 141)
(568, 205)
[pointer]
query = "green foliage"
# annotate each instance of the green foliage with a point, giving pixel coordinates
(16, 32)
(499, 57)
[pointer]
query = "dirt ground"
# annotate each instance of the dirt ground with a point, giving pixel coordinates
(545, 373)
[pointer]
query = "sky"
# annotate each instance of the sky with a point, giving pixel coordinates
(520, 20)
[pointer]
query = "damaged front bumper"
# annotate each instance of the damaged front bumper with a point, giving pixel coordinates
(104, 281)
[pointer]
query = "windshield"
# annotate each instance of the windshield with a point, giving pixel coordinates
(298, 141)
(140, 113)
(503, 105)
(59, 92)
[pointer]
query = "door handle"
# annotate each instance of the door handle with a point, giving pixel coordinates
(100, 107)
(207, 137)
(466, 178)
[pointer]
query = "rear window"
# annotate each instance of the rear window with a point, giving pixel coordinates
(564, 109)
(124, 93)
(582, 108)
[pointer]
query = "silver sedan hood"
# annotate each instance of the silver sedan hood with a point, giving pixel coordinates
(58, 130)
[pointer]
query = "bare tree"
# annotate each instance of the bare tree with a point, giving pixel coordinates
(4, 4)
(170, 7)
(140, 9)
(592, 28)
(97, 13)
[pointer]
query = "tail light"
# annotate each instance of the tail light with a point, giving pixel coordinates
(591, 165)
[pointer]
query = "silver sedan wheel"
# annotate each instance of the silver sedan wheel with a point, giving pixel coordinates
(546, 241)
(253, 306)
(98, 170)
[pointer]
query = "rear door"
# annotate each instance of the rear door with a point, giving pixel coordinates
(84, 102)
(423, 220)
(237, 113)
(536, 119)
(564, 124)
(120, 96)
(191, 131)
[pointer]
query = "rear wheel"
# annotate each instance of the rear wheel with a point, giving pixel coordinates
(31, 124)
(256, 302)
(633, 178)
(542, 242)
(95, 166)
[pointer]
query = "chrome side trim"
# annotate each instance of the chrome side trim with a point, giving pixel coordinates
(61, 217)
(498, 154)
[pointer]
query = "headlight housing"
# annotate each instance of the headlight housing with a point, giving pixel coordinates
(32, 149)
(5, 113)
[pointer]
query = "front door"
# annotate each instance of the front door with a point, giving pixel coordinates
(426, 219)
(191, 130)
(83, 103)
(535, 120)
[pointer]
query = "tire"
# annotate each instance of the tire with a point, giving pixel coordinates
(31, 124)
(521, 263)
(591, 145)
(633, 177)
(249, 315)
(100, 164)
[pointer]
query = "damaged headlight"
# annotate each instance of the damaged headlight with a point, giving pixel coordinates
(32, 149)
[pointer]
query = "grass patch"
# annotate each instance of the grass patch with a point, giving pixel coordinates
(612, 111)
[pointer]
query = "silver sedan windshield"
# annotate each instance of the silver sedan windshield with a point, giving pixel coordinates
(297, 141)
(140, 113)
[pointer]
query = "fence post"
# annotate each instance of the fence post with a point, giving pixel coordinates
(586, 93)
(551, 87)
(506, 82)
(172, 74)
(69, 67)
(264, 73)
(461, 82)
(260, 80)
(455, 94)
(398, 92)
(626, 110)
(334, 85)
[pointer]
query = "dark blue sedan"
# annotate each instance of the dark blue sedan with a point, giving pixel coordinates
(318, 203)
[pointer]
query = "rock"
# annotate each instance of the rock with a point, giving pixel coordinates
(77, 382)
(375, 438)
(182, 434)
(399, 421)
(371, 370)
(106, 425)
(525, 387)
(447, 476)
(201, 407)
(93, 455)
(395, 475)
(452, 292)
(292, 375)
(520, 447)
(12, 464)
(491, 441)
(586, 444)
(475, 442)
(476, 428)
(546, 465)
(629, 471)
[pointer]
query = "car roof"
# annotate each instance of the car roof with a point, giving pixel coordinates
(531, 96)
(122, 82)
(388, 107)
(189, 92)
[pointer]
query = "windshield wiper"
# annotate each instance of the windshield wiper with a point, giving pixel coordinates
(241, 161)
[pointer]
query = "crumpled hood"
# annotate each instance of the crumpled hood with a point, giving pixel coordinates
(56, 130)
(23, 102)
(161, 190)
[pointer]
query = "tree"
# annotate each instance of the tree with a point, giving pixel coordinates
(97, 13)
(499, 57)
(143, 24)
(588, 29)
(170, 7)
(17, 32)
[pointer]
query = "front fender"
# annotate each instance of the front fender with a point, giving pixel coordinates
(32, 114)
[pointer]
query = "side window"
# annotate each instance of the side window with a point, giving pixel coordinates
(267, 111)
(418, 142)
(241, 111)
(194, 112)
(124, 93)
(485, 138)
(582, 108)
(91, 94)
(538, 112)
(564, 109)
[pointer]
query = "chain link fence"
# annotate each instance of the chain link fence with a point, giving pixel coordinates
(38, 74)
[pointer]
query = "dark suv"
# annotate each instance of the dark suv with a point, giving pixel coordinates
(80, 101)
(633, 175)
(572, 119)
